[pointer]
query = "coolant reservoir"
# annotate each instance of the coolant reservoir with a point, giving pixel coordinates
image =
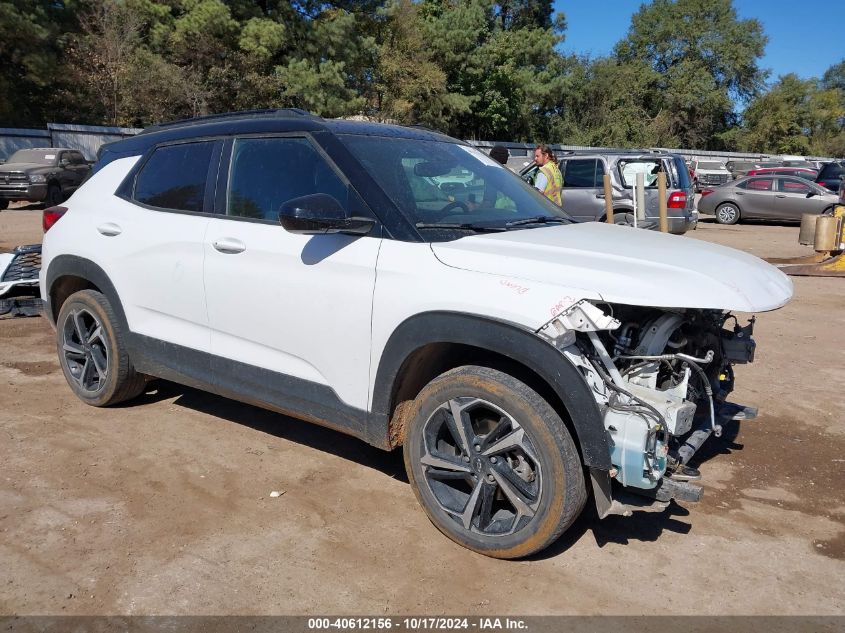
(629, 434)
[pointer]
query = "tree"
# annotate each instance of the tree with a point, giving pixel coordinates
(28, 56)
(704, 59)
(795, 116)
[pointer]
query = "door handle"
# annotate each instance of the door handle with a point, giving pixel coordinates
(780, 195)
(599, 195)
(740, 193)
(229, 245)
(109, 229)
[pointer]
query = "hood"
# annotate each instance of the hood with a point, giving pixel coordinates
(23, 167)
(626, 265)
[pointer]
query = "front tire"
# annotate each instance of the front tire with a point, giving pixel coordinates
(4, 204)
(54, 195)
(92, 351)
(727, 213)
(492, 464)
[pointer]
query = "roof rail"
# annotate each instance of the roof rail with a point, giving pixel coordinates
(266, 112)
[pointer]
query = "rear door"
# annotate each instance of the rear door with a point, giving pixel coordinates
(151, 235)
(583, 188)
(289, 314)
(756, 198)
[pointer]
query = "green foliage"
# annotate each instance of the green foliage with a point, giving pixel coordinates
(489, 69)
(796, 117)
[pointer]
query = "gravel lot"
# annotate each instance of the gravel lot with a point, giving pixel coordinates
(163, 506)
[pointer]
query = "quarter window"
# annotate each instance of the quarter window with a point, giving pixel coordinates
(175, 177)
(267, 172)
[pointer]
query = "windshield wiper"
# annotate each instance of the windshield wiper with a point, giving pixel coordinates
(463, 226)
(539, 219)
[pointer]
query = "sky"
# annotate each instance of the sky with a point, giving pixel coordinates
(805, 41)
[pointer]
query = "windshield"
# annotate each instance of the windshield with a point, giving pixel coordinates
(709, 165)
(40, 156)
(440, 183)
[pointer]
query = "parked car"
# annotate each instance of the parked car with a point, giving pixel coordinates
(740, 168)
(47, 174)
(583, 186)
(766, 197)
(708, 173)
(801, 172)
(831, 175)
(293, 262)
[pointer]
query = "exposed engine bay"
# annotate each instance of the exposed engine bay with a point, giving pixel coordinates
(660, 376)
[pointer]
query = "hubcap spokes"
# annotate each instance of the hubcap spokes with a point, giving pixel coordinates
(85, 350)
(481, 467)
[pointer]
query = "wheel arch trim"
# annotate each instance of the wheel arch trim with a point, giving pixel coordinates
(506, 339)
(75, 266)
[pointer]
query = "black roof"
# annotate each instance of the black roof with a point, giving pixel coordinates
(259, 121)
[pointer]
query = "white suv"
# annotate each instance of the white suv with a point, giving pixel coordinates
(399, 286)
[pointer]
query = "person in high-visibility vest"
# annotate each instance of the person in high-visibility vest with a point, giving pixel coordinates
(548, 181)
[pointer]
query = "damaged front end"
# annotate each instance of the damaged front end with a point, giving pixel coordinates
(19, 293)
(661, 378)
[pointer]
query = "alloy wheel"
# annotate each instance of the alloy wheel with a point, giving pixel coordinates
(85, 350)
(727, 214)
(481, 467)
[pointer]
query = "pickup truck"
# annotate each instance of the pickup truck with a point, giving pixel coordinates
(48, 174)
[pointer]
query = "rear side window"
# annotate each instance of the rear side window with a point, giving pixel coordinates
(175, 177)
(267, 172)
(583, 173)
(758, 184)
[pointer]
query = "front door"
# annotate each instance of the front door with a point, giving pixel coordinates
(792, 199)
(289, 314)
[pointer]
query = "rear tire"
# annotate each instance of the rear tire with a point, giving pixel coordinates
(4, 204)
(506, 480)
(92, 351)
(727, 213)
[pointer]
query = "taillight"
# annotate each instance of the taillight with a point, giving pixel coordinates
(51, 216)
(706, 192)
(677, 200)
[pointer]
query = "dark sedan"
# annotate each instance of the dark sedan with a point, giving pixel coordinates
(783, 198)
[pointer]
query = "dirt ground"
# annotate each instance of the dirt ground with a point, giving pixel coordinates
(163, 506)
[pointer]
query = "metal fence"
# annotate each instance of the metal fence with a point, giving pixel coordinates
(89, 138)
(85, 138)
(518, 150)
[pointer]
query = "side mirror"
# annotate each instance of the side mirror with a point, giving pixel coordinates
(64, 162)
(811, 193)
(319, 214)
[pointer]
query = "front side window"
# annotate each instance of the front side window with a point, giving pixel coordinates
(788, 185)
(175, 177)
(267, 172)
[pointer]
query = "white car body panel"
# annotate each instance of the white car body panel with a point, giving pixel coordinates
(411, 280)
(622, 265)
(155, 262)
(295, 304)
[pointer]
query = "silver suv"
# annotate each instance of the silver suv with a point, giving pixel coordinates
(583, 186)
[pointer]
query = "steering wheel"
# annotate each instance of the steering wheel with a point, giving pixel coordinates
(455, 205)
